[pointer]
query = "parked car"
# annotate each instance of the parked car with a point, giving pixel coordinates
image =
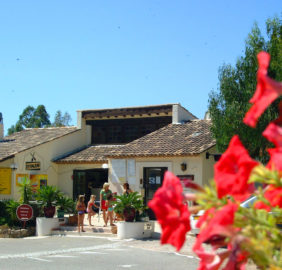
(247, 203)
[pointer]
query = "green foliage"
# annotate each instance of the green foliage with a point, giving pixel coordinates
(64, 203)
(237, 84)
(48, 195)
(26, 191)
(126, 201)
(61, 120)
(31, 118)
(11, 208)
(4, 215)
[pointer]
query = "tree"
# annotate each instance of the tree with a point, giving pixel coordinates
(237, 84)
(61, 120)
(31, 118)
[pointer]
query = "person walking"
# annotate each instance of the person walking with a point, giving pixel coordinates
(80, 207)
(103, 198)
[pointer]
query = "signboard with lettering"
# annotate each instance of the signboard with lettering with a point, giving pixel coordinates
(32, 166)
(5, 180)
(24, 212)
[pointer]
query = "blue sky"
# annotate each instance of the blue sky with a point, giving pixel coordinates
(72, 55)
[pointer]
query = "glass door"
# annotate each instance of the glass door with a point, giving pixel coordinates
(153, 179)
(79, 183)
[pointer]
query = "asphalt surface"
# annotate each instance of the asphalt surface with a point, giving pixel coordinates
(91, 252)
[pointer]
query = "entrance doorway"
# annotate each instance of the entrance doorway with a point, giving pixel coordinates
(89, 182)
(153, 179)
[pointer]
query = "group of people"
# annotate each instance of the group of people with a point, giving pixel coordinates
(106, 205)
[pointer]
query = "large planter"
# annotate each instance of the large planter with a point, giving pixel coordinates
(136, 230)
(49, 211)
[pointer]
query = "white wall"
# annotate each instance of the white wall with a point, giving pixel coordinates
(194, 167)
(179, 114)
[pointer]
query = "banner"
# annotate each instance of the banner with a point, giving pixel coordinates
(38, 180)
(5, 180)
(20, 178)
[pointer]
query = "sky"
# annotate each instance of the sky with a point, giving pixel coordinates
(73, 55)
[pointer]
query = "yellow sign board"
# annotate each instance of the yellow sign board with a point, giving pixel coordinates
(38, 180)
(5, 180)
(20, 178)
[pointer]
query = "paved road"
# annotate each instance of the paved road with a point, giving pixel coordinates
(90, 252)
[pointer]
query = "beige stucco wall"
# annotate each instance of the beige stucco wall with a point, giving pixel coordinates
(208, 166)
(180, 114)
(45, 153)
(195, 166)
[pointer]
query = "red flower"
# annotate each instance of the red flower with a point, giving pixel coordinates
(273, 195)
(232, 171)
(275, 162)
(278, 121)
(274, 134)
(171, 212)
(266, 92)
(212, 260)
(216, 225)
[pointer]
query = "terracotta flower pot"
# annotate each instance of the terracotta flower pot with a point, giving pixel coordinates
(129, 214)
(49, 211)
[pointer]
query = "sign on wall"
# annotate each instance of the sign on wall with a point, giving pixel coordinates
(32, 166)
(118, 171)
(38, 180)
(5, 180)
(20, 178)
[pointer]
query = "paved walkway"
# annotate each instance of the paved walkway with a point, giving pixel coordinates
(98, 227)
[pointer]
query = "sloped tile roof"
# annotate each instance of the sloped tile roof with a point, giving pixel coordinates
(191, 138)
(90, 154)
(28, 138)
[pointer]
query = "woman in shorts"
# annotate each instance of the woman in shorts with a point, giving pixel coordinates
(104, 193)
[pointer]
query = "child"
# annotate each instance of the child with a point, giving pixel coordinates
(90, 209)
(109, 204)
(80, 207)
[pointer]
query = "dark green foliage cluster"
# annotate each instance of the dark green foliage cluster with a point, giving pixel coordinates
(31, 118)
(237, 84)
(39, 118)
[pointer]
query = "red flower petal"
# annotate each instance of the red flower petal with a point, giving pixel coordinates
(171, 212)
(218, 224)
(266, 92)
(232, 171)
(274, 134)
(273, 195)
(275, 162)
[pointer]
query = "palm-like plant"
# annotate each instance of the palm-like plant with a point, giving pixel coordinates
(48, 195)
(26, 191)
(128, 205)
(64, 203)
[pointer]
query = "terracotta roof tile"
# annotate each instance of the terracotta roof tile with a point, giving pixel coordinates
(90, 154)
(28, 138)
(191, 138)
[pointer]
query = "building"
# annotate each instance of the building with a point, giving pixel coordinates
(134, 145)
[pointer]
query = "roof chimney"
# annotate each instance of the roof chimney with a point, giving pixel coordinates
(1, 128)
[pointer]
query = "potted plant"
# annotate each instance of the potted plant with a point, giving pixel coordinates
(48, 195)
(128, 205)
(64, 204)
